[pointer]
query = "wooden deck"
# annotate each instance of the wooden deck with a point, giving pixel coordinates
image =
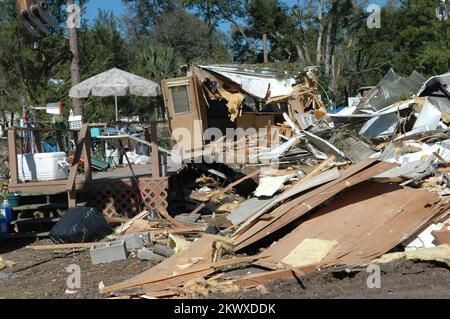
(114, 191)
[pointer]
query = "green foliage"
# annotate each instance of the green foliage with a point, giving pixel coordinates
(156, 38)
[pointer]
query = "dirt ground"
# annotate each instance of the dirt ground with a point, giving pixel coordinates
(49, 280)
(400, 279)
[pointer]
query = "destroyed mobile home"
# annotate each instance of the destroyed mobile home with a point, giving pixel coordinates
(304, 191)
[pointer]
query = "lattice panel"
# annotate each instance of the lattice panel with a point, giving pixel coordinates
(120, 198)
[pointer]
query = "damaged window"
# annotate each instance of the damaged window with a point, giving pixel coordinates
(180, 99)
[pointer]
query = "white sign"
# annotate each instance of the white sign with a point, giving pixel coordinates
(353, 101)
(54, 108)
(75, 122)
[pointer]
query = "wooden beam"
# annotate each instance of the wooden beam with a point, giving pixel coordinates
(63, 246)
(155, 151)
(12, 148)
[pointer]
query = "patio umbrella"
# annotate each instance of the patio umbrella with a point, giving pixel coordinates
(114, 82)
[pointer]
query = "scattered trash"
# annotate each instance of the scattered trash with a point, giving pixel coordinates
(6, 263)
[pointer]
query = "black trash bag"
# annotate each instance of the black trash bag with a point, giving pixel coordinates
(80, 225)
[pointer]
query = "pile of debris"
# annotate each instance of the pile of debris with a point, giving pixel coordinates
(326, 198)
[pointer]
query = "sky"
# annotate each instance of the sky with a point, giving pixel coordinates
(118, 8)
(92, 7)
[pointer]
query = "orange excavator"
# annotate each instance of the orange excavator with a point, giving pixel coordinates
(35, 16)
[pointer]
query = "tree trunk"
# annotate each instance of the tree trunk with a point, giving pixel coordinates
(300, 53)
(75, 65)
(319, 37)
(210, 28)
(328, 49)
(333, 82)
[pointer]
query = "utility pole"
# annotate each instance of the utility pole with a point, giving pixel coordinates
(75, 65)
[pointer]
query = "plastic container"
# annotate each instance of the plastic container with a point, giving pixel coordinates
(7, 211)
(42, 166)
(4, 226)
(14, 199)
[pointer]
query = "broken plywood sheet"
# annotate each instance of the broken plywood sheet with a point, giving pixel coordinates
(255, 230)
(309, 252)
(367, 221)
(261, 206)
(156, 277)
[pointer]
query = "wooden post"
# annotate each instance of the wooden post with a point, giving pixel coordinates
(72, 199)
(266, 53)
(155, 151)
(12, 148)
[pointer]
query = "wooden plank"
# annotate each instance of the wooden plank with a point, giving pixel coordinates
(207, 267)
(442, 236)
(316, 170)
(155, 152)
(201, 249)
(12, 148)
(226, 189)
(63, 246)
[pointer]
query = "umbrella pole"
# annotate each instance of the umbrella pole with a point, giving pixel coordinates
(117, 110)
